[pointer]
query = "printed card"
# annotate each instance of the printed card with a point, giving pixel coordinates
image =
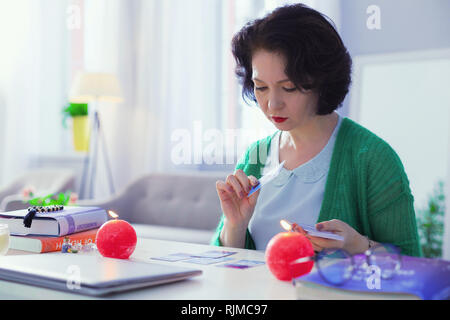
(266, 178)
(242, 264)
(206, 261)
(174, 257)
(214, 254)
(311, 230)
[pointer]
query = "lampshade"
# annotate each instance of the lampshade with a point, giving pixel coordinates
(90, 86)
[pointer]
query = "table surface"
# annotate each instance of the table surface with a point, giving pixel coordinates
(215, 283)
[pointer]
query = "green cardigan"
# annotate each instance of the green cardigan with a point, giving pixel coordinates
(366, 187)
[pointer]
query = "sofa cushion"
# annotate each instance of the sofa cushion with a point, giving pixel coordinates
(175, 200)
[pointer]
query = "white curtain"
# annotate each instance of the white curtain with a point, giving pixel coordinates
(166, 54)
(172, 58)
(33, 82)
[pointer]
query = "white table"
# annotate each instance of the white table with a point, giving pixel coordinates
(215, 283)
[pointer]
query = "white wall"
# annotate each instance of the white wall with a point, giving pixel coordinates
(406, 26)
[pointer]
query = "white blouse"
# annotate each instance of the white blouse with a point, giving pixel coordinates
(295, 195)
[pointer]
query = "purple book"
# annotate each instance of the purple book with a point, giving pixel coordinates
(428, 279)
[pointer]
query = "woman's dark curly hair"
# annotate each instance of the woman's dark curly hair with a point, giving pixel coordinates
(316, 57)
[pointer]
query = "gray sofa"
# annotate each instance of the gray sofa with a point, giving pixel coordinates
(178, 207)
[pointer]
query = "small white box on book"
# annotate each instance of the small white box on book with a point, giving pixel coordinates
(59, 223)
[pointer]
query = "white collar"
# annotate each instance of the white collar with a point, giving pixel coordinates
(311, 171)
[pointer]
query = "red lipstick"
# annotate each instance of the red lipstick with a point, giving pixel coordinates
(279, 119)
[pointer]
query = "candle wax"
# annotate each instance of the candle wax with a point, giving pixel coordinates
(116, 239)
(283, 249)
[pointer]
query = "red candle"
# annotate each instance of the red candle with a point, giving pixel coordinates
(283, 249)
(116, 238)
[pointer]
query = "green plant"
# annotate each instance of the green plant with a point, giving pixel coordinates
(51, 199)
(431, 223)
(74, 110)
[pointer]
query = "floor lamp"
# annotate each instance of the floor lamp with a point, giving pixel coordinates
(94, 88)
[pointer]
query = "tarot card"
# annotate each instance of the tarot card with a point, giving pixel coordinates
(174, 257)
(242, 264)
(214, 254)
(206, 261)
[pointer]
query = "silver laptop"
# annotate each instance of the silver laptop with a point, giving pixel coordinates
(88, 274)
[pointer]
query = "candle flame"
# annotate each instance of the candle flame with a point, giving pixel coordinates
(112, 214)
(286, 225)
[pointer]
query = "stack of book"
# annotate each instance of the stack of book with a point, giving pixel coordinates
(48, 230)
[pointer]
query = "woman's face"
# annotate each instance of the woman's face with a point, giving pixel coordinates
(283, 104)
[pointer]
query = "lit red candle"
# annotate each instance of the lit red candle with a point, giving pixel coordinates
(285, 248)
(116, 238)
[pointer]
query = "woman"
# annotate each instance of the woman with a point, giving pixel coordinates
(336, 174)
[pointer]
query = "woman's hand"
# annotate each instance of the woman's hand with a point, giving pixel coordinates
(236, 206)
(353, 241)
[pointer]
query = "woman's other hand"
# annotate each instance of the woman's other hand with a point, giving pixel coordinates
(353, 241)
